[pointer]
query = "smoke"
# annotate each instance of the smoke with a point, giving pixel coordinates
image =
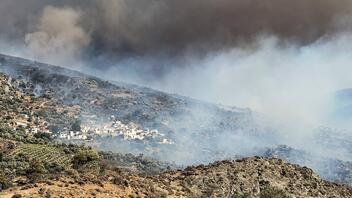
(293, 79)
(287, 82)
(291, 86)
(120, 29)
(200, 26)
(59, 39)
(281, 58)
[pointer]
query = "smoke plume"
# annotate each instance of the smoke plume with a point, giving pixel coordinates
(59, 38)
(164, 29)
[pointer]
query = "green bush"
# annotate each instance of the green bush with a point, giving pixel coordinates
(84, 156)
(44, 136)
(35, 171)
(36, 167)
(54, 168)
(245, 195)
(270, 192)
(4, 182)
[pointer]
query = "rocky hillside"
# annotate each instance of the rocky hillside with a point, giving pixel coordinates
(48, 112)
(122, 117)
(249, 177)
(22, 111)
(28, 152)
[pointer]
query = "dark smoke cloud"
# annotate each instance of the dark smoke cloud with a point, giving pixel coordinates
(204, 25)
(120, 28)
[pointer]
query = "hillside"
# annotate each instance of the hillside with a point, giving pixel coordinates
(48, 112)
(123, 117)
(250, 177)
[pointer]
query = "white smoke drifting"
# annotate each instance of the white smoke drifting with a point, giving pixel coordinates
(292, 86)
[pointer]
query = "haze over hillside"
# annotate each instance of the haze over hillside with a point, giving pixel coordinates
(127, 118)
(34, 164)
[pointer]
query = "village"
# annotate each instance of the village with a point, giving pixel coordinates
(113, 128)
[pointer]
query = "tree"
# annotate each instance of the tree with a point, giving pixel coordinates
(4, 181)
(76, 125)
(84, 156)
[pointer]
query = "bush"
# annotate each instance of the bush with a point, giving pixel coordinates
(84, 156)
(36, 166)
(44, 136)
(245, 195)
(4, 182)
(16, 196)
(35, 170)
(270, 192)
(54, 168)
(76, 125)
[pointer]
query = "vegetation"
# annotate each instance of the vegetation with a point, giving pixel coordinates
(245, 195)
(4, 181)
(83, 157)
(40, 161)
(43, 152)
(271, 192)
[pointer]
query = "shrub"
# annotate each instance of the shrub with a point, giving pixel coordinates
(35, 170)
(54, 168)
(76, 125)
(245, 195)
(43, 136)
(17, 196)
(270, 192)
(4, 182)
(36, 166)
(84, 156)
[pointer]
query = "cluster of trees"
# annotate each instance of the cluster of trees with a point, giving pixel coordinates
(34, 168)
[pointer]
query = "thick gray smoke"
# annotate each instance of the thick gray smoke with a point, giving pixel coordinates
(58, 38)
(162, 29)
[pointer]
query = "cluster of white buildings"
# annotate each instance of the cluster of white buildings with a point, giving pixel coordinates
(31, 127)
(114, 128)
(73, 135)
